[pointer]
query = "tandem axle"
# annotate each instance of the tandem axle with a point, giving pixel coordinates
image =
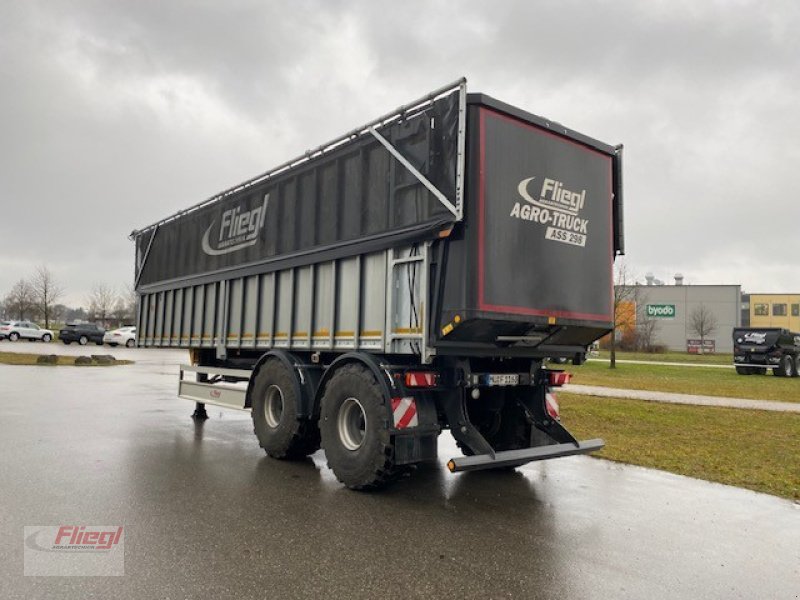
(374, 416)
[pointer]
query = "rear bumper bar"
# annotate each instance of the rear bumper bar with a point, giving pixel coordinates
(757, 365)
(515, 458)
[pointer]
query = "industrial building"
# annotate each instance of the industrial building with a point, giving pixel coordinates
(669, 311)
(771, 310)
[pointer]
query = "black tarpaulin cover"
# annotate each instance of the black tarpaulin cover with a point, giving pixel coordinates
(357, 191)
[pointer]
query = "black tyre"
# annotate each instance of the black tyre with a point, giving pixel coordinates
(280, 433)
(785, 368)
(83, 340)
(13, 336)
(353, 424)
(500, 420)
(130, 344)
(744, 371)
(46, 338)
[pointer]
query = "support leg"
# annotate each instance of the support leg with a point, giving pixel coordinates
(460, 426)
(199, 413)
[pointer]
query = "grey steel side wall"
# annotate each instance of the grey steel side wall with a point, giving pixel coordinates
(374, 301)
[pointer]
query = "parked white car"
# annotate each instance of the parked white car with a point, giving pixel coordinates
(15, 330)
(123, 335)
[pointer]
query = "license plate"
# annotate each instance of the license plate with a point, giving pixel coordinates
(502, 379)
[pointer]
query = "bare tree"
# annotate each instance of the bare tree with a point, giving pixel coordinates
(102, 300)
(646, 333)
(130, 299)
(625, 293)
(46, 292)
(702, 323)
(20, 301)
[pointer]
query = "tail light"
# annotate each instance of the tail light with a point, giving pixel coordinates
(558, 378)
(551, 405)
(421, 379)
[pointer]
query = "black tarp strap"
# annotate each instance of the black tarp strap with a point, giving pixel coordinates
(415, 172)
(144, 258)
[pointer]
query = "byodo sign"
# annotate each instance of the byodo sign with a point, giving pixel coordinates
(660, 311)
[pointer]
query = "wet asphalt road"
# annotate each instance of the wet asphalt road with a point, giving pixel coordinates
(207, 515)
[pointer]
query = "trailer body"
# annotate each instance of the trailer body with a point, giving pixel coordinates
(458, 241)
(756, 349)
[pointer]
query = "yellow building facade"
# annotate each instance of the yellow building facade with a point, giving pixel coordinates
(775, 310)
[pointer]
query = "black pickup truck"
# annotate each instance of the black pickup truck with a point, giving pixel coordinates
(757, 349)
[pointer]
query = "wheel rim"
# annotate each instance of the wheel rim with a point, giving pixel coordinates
(82, 341)
(787, 367)
(352, 424)
(273, 406)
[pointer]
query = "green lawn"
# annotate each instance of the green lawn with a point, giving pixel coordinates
(23, 358)
(708, 381)
(752, 449)
(711, 359)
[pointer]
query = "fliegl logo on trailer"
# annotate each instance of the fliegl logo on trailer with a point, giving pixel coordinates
(557, 207)
(237, 229)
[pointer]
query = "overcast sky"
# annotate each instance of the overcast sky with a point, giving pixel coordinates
(115, 114)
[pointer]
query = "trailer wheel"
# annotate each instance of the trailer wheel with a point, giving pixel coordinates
(354, 426)
(500, 419)
(786, 367)
(275, 422)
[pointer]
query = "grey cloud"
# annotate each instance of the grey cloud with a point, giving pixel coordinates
(116, 113)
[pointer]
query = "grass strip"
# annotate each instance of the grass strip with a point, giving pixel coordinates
(688, 380)
(683, 357)
(753, 449)
(27, 359)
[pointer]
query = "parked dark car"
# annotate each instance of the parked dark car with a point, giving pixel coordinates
(83, 333)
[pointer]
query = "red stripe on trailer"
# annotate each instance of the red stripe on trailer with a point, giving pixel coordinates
(404, 411)
(558, 378)
(551, 405)
(420, 379)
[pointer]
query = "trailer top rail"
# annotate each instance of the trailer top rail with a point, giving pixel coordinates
(366, 129)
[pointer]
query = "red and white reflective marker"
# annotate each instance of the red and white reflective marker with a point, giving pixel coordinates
(558, 378)
(551, 405)
(420, 379)
(405, 412)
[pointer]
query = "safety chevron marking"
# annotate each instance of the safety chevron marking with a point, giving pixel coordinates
(421, 379)
(405, 412)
